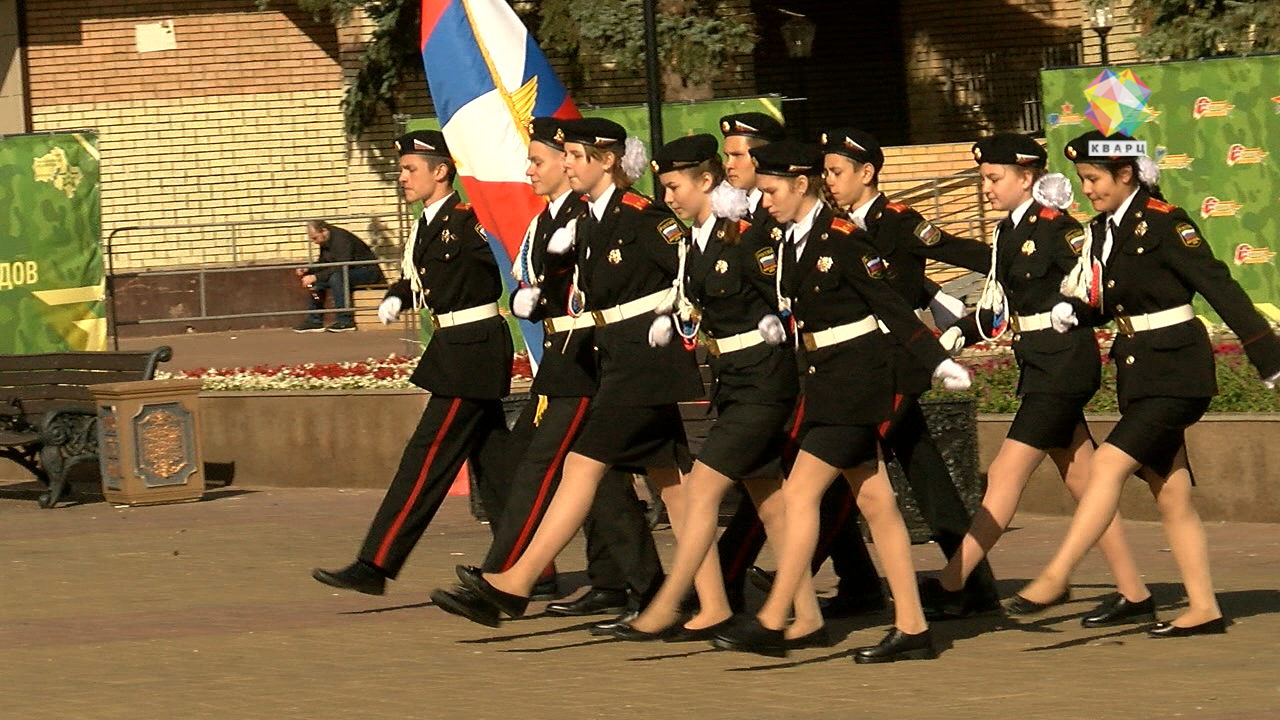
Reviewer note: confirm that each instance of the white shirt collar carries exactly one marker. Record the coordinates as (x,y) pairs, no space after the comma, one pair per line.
(1118,216)
(859,216)
(599,204)
(702,233)
(800,228)
(753,198)
(1020,211)
(554,206)
(429,212)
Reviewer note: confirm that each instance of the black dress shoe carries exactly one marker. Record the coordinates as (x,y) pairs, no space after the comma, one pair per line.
(760,578)
(545,590)
(608,627)
(680,633)
(1217,626)
(593,602)
(1019,605)
(626,632)
(463,602)
(896,646)
(358,576)
(819,638)
(940,603)
(744,633)
(513,606)
(850,604)
(1117,609)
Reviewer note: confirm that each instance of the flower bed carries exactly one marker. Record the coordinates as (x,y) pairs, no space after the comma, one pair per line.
(391,372)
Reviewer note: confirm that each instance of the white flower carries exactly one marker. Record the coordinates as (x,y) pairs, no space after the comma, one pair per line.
(1148,171)
(635,161)
(1053,190)
(729,202)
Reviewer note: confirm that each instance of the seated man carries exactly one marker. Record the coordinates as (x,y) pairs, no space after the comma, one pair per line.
(336,245)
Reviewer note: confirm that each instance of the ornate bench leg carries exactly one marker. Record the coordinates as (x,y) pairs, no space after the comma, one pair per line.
(56,476)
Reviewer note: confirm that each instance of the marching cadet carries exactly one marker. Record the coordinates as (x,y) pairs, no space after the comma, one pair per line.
(620,550)
(904,241)
(628,254)
(1147,260)
(742,133)
(833,282)
(728,293)
(1033,249)
(449,269)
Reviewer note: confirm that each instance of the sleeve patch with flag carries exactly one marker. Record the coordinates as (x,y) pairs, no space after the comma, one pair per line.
(1159,206)
(639,202)
(767,260)
(1075,239)
(928,233)
(843,226)
(874,266)
(1189,236)
(670,231)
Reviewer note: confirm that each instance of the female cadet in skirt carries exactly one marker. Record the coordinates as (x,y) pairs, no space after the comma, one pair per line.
(1145,261)
(1033,249)
(727,292)
(628,251)
(833,282)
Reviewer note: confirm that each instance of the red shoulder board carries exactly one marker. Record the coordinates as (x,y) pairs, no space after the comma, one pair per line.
(635,200)
(896,207)
(743,226)
(845,227)
(1164,207)
(1049,213)
(463,206)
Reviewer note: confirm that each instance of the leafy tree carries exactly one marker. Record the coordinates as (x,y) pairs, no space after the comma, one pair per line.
(1188,29)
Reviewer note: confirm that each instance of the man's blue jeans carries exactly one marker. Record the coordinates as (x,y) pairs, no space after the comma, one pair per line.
(336,283)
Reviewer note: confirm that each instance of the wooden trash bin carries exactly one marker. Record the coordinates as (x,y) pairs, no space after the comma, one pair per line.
(149,441)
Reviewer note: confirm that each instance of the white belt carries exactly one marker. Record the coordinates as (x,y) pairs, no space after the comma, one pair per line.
(628,310)
(462,317)
(840,333)
(564,323)
(734,343)
(1031,323)
(1130,324)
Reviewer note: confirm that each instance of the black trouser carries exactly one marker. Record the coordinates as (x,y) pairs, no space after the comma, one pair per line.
(906,438)
(451,431)
(620,549)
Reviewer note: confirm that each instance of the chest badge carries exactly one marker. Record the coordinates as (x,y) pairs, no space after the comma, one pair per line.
(722,266)
(1141,229)
(1029,247)
(615,256)
(825,264)
(775,234)
(446,235)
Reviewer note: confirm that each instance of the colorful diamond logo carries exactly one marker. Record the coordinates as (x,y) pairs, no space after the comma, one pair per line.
(1117,103)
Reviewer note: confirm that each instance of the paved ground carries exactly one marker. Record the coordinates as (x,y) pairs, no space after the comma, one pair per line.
(206,610)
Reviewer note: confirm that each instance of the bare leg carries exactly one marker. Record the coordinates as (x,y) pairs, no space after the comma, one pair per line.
(770,507)
(1111,466)
(802,493)
(1187,541)
(565,515)
(879,506)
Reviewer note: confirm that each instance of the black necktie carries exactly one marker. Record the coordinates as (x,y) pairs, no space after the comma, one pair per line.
(1006,224)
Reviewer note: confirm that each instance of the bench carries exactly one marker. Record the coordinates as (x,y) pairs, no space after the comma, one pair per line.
(48,419)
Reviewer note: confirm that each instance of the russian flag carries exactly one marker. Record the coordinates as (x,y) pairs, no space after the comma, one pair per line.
(488,78)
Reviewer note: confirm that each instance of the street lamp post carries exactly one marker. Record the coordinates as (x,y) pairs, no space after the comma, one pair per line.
(1101,23)
(797,36)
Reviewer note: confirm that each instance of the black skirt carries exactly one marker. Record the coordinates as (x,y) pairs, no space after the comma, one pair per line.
(1048,420)
(841,446)
(1152,430)
(747,440)
(635,438)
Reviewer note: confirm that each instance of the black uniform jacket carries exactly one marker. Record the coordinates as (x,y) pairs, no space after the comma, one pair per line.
(732,283)
(342,246)
(1032,259)
(905,241)
(840,279)
(568,367)
(458,271)
(631,252)
(1160,261)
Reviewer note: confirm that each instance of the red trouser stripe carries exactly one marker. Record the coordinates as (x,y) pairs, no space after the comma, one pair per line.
(736,567)
(417,488)
(884,426)
(530,523)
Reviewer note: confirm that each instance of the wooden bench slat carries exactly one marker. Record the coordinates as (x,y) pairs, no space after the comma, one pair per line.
(75,376)
(131,361)
(9,438)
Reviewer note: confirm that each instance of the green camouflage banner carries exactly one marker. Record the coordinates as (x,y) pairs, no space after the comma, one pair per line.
(51,278)
(1212,127)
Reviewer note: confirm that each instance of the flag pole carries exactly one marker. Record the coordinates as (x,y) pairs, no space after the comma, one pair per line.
(654,85)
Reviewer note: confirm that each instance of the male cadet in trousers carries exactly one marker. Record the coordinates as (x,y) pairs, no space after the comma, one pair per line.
(743,537)
(449,269)
(623,556)
(905,241)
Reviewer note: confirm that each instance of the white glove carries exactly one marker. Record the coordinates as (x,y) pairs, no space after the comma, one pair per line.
(660,331)
(953,376)
(561,240)
(389,310)
(946,310)
(525,300)
(1271,381)
(1063,317)
(770,327)
(952,341)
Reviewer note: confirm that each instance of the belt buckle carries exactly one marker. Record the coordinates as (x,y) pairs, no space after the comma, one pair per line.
(713,347)
(435,321)
(810,342)
(549,326)
(1014,324)
(598,317)
(1125,325)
